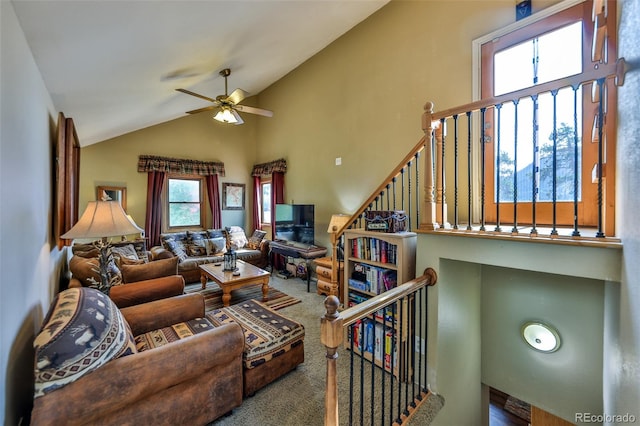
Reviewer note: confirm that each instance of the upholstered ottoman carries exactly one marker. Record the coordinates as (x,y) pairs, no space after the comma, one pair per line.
(274,344)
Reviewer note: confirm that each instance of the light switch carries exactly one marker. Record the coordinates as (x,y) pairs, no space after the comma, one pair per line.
(338,161)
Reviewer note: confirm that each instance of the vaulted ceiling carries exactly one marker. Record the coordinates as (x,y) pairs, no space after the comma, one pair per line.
(114,65)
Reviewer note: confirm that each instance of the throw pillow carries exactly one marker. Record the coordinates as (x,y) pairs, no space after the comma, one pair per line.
(236,237)
(256,239)
(87,271)
(140,246)
(124,252)
(151,270)
(177,248)
(82,331)
(216,246)
(197,249)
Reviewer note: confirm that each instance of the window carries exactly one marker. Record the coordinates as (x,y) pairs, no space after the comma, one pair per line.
(521,136)
(185,202)
(265,202)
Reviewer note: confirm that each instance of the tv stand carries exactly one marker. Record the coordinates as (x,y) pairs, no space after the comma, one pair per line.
(308,252)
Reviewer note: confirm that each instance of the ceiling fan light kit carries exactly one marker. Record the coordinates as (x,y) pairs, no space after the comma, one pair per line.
(228,104)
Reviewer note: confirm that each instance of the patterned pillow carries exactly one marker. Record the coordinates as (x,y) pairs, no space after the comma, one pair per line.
(140,247)
(216,246)
(177,248)
(82,331)
(197,249)
(236,237)
(124,252)
(256,239)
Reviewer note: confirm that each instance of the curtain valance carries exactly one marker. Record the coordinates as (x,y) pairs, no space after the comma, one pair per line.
(150,163)
(268,168)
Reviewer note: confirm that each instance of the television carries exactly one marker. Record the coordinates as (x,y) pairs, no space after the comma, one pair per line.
(295,223)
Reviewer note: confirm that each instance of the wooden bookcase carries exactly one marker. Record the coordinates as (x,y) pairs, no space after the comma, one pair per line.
(374,263)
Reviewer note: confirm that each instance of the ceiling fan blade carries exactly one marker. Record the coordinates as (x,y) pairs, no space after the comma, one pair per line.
(254,110)
(237,116)
(188,92)
(237,96)
(209,108)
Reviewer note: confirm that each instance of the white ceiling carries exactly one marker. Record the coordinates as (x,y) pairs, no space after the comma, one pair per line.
(113,65)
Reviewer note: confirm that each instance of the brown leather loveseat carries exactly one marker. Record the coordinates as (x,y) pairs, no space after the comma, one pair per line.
(88,370)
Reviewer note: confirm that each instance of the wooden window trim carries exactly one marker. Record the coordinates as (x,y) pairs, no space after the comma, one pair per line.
(165,203)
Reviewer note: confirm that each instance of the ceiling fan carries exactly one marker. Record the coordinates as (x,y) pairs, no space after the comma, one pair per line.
(227,105)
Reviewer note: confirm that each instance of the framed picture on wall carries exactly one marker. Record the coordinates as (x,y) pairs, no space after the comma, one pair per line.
(233,196)
(112,193)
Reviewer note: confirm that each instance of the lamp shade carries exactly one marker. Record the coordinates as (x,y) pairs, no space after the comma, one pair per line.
(228,115)
(102,219)
(337,221)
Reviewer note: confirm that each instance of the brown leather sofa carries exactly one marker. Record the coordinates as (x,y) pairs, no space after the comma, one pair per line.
(141,283)
(190,381)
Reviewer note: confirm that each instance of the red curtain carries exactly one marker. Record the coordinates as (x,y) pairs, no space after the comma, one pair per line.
(213,192)
(277,197)
(256,203)
(153,218)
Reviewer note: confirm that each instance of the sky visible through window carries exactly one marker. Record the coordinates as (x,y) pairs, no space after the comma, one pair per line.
(549,57)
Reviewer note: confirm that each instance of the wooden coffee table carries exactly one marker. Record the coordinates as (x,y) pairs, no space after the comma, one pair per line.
(249,275)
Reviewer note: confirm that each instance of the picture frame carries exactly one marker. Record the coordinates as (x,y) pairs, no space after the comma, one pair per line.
(233,196)
(112,193)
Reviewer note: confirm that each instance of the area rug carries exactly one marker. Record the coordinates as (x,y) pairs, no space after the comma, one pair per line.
(213,296)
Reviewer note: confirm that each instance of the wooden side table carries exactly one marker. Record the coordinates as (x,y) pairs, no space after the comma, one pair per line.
(327,285)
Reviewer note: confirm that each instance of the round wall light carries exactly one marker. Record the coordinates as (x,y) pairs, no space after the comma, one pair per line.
(540,336)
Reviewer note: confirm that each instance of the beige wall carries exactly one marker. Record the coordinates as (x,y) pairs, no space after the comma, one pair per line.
(196,137)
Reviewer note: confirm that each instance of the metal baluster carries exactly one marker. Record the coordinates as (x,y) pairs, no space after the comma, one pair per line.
(373,370)
(514,230)
(442,184)
(352,333)
(409,196)
(554,163)
(576,232)
(600,83)
(417,157)
(394,192)
(391,353)
(387,193)
(497,172)
(455,171)
(362,373)
(536,166)
(469,168)
(402,186)
(482,167)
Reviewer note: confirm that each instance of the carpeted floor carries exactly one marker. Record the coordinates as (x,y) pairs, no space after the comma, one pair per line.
(276,299)
(298,397)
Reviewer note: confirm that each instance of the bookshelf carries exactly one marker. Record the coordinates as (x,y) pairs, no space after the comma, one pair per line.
(374,263)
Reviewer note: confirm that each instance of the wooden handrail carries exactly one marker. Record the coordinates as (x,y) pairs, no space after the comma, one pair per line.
(333,323)
(361,310)
(612,70)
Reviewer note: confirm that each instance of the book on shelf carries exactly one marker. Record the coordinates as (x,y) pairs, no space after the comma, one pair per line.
(373,279)
(373,249)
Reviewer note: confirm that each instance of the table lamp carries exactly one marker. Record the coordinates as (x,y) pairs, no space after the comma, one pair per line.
(102,219)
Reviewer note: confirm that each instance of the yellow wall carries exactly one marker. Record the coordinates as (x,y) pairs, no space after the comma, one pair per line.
(360,99)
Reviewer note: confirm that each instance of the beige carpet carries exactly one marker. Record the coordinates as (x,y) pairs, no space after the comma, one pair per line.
(298,397)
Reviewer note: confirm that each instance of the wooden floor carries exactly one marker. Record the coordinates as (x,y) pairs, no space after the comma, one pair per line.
(498,416)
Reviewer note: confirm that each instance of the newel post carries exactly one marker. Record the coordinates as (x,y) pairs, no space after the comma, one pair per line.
(331,337)
(429,219)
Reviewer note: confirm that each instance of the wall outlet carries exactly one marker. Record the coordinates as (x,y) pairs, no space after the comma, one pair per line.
(338,161)
(420,345)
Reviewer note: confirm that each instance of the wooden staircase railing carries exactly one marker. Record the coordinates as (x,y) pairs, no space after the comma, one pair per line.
(401,397)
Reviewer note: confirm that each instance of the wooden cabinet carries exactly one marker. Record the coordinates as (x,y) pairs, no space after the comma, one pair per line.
(327,283)
(374,263)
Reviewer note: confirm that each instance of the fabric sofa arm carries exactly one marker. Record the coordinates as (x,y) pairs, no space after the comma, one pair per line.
(98,396)
(146,291)
(163,313)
